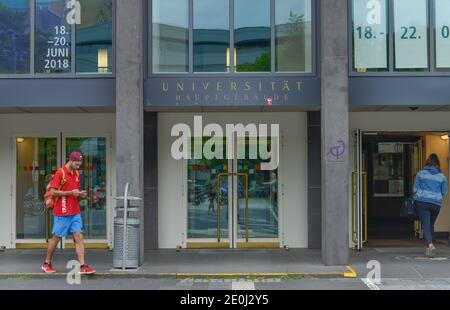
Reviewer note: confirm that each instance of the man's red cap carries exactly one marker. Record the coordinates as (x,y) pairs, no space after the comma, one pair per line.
(76,156)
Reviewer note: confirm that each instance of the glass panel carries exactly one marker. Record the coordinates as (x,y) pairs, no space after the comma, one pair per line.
(94,37)
(442,33)
(36,160)
(14,36)
(52,37)
(262,192)
(388,170)
(170,36)
(203,185)
(211,36)
(293,35)
(411,35)
(93,180)
(252,35)
(370,36)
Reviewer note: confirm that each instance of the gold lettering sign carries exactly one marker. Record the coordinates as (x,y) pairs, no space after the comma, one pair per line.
(204,91)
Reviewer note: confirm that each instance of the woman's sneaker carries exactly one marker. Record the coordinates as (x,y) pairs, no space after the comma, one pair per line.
(84,269)
(431,251)
(48,268)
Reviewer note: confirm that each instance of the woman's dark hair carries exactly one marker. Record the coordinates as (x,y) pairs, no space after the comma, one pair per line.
(433,160)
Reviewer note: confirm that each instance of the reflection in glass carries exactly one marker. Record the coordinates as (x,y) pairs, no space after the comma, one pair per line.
(52,37)
(94,37)
(252,35)
(203,194)
(14,36)
(36,161)
(293,35)
(262,193)
(211,35)
(170,36)
(93,180)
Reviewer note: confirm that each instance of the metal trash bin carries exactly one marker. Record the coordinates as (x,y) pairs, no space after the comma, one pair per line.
(126,252)
(131,244)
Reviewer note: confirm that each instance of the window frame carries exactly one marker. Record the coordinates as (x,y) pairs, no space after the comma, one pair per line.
(315,8)
(73,73)
(391,71)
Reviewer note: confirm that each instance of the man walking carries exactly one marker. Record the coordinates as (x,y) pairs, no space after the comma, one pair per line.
(67,219)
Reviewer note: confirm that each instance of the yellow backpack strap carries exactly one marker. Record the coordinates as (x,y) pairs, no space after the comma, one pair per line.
(63,179)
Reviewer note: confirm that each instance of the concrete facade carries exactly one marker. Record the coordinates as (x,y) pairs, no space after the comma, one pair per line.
(129,101)
(334,121)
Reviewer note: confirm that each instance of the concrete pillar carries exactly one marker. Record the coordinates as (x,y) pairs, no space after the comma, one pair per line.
(335,137)
(129,100)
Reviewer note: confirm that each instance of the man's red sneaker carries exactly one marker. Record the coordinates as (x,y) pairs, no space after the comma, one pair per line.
(48,268)
(84,269)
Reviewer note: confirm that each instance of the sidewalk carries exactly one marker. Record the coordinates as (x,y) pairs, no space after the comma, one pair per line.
(296,263)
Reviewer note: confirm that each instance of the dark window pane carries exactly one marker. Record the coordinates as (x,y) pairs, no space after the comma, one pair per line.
(252,35)
(293,35)
(14,36)
(211,36)
(94,37)
(170,36)
(52,37)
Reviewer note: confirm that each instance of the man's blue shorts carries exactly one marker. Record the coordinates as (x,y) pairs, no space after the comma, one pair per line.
(67,225)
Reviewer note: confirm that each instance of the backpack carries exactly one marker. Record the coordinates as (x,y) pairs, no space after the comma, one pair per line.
(50,200)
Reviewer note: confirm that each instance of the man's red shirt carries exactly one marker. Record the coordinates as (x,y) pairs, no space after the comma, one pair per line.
(66,205)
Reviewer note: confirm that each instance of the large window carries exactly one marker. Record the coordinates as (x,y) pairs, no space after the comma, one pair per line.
(411,34)
(52,37)
(252,35)
(14,36)
(293,35)
(211,36)
(56,36)
(94,37)
(401,35)
(442,34)
(232,36)
(170,36)
(370,35)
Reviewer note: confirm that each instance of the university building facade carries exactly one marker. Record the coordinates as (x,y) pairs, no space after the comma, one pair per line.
(359,90)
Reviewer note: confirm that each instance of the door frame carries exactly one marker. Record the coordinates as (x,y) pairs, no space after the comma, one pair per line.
(232,241)
(26,243)
(95,243)
(60,137)
(358,233)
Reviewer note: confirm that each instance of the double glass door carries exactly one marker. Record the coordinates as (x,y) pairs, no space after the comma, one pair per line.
(37,159)
(233,203)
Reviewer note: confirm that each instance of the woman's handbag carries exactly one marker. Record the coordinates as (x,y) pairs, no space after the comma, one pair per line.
(408,209)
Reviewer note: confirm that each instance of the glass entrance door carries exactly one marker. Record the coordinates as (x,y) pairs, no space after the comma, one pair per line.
(256,196)
(36,160)
(232,203)
(93,174)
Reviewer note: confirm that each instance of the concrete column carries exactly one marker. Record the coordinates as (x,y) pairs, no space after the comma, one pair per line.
(335,138)
(129,100)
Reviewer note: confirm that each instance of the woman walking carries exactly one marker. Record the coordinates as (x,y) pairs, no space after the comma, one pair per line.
(430,187)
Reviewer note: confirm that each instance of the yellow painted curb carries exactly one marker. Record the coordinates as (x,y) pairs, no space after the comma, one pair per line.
(351,274)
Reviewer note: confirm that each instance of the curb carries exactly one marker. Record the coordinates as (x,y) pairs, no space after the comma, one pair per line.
(179,275)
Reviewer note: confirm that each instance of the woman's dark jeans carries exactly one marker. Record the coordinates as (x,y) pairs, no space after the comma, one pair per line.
(427,213)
